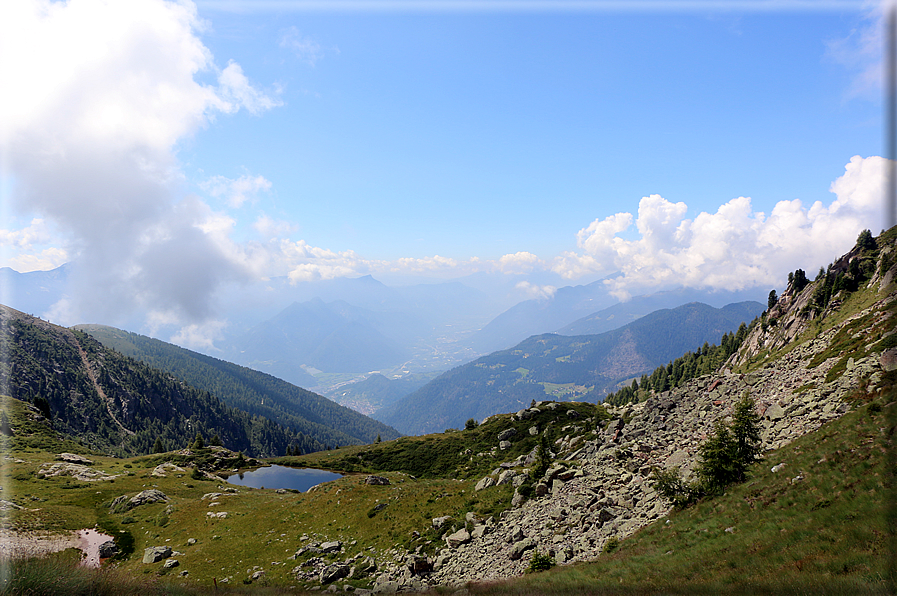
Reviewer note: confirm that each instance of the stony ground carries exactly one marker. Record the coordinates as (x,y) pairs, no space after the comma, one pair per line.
(603,493)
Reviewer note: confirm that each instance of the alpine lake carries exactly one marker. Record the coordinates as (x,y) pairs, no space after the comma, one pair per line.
(274,476)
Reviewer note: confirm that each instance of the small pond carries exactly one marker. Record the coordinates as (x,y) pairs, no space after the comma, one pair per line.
(300,479)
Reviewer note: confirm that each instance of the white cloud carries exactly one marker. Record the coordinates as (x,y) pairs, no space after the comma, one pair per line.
(237,191)
(237,92)
(734,248)
(309,263)
(200,337)
(25,238)
(43,260)
(305,48)
(271,228)
(95,104)
(861,53)
(535,290)
(28,248)
(518,262)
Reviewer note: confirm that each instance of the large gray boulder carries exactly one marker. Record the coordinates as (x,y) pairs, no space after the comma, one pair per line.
(376,480)
(518,549)
(331,547)
(460,537)
(108,549)
(73,458)
(334,572)
(507,434)
(774,412)
(154,554)
(486,482)
(148,496)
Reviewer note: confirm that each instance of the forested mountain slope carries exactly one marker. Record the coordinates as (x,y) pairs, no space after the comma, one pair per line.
(117,405)
(249,390)
(583,367)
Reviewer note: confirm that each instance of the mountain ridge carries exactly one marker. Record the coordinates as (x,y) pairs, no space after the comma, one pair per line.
(249,390)
(587,367)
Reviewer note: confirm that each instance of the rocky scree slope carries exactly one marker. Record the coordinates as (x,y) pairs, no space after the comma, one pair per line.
(601,490)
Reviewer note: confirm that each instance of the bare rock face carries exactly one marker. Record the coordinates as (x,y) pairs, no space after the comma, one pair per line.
(76,471)
(162,470)
(376,480)
(331,547)
(334,572)
(507,434)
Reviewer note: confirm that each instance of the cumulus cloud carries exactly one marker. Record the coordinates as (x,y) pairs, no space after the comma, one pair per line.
(519,262)
(735,247)
(97,99)
(310,263)
(29,248)
(23,239)
(238,191)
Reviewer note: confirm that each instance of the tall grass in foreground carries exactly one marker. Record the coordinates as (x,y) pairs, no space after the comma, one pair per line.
(61,575)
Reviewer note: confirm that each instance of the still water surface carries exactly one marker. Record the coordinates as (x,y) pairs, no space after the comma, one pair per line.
(300,479)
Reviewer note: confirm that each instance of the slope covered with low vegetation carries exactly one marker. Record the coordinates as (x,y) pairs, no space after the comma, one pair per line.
(114,404)
(248,390)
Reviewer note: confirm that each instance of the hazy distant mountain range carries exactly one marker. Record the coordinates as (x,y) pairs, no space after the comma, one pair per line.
(581,367)
(323,334)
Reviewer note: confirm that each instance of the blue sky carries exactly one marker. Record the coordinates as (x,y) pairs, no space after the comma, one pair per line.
(171,149)
(487,134)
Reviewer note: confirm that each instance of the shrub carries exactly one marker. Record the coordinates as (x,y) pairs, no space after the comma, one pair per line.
(612,544)
(673,488)
(540,562)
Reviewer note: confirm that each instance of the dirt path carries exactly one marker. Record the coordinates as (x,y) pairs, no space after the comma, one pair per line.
(99,389)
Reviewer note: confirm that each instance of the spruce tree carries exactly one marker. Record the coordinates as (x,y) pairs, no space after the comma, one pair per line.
(746,434)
